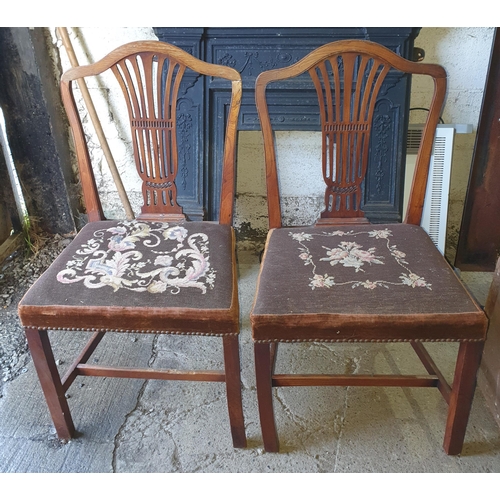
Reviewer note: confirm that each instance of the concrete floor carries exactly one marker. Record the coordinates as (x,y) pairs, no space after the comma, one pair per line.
(155,426)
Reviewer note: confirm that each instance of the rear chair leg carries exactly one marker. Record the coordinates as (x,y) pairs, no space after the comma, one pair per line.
(464,384)
(43,358)
(264,361)
(233,390)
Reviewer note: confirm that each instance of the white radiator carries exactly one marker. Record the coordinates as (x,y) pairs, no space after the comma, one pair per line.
(435,213)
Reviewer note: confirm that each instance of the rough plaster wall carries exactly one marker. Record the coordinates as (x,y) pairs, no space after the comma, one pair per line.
(90,45)
(299,187)
(465,54)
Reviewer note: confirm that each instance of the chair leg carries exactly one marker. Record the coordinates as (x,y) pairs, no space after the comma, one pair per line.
(43,359)
(233,390)
(464,384)
(264,361)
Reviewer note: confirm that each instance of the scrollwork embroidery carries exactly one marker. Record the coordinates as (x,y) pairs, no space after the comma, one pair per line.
(122,264)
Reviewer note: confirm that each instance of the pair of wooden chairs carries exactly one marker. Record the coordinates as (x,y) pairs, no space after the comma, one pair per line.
(339,280)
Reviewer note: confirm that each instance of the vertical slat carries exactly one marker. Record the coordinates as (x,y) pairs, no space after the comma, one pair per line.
(146,92)
(139,84)
(325,134)
(161,116)
(359,88)
(175,92)
(129,89)
(368,91)
(348,83)
(376,89)
(338,118)
(167,113)
(328,93)
(349,64)
(360,92)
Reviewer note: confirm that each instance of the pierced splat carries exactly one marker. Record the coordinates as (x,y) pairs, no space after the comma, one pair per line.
(347,88)
(150,84)
(348,77)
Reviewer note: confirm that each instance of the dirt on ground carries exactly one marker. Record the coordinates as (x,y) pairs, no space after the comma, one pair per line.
(17,273)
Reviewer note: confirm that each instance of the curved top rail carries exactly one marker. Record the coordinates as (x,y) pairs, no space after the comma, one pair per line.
(382,55)
(346,46)
(151,46)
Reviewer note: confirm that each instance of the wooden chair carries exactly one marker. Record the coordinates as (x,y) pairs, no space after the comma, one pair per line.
(344,280)
(157,273)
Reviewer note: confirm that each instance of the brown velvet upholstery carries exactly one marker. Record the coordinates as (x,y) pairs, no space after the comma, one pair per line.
(107,280)
(381,282)
(344,279)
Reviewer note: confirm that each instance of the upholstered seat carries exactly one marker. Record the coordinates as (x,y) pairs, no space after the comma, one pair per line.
(385,282)
(140,275)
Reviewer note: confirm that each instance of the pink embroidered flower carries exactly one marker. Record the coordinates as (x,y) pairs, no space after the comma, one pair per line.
(398,254)
(369,284)
(366,255)
(380,233)
(414,281)
(321,281)
(336,255)
(301,236)
(350,254)
(349,244)
(304,256)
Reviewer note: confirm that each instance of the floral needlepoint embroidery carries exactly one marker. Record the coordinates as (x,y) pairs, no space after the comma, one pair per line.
(351,254)
(182,263)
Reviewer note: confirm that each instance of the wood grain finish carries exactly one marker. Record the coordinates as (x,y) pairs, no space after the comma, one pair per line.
(43,359)
(300,300)
(150,75)
(357,69)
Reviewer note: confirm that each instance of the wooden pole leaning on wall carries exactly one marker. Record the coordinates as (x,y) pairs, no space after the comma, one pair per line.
(63,33)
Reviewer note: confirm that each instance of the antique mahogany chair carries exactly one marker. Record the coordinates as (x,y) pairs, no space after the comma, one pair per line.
(157,273)
(344,279)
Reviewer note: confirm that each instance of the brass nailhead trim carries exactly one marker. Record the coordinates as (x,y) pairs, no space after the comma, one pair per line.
(200,334)
(294,341)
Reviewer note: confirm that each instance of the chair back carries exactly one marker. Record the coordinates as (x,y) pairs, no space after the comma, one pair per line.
(150,75)
(348,76)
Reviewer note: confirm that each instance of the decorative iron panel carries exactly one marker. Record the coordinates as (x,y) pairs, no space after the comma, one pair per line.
(293,106)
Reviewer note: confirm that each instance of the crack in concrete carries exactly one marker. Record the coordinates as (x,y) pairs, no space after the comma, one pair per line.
(341,429)
(118,437)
